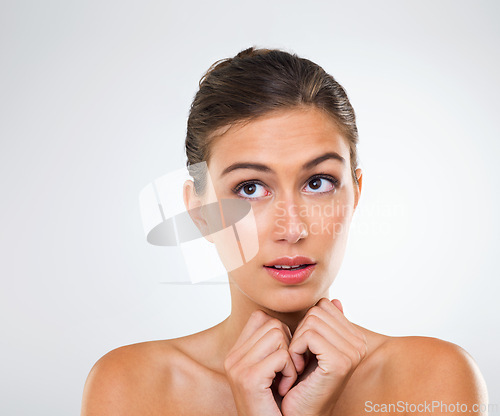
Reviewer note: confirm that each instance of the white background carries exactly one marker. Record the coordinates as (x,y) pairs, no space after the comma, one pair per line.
(94,100)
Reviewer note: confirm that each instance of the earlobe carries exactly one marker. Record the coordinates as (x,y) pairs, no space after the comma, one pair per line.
(358,186)
(194,206)
(359,175)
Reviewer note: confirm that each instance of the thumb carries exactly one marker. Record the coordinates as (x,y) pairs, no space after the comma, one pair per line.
(337,303)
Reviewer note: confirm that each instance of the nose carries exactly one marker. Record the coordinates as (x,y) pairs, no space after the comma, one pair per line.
(290,224)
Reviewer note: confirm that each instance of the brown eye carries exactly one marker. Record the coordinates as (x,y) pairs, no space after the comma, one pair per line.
(315,184)
(250,190)
(322,184)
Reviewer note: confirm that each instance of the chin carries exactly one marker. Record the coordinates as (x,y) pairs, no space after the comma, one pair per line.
(291,299)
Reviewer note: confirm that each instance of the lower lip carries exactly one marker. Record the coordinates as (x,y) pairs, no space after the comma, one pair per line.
(291,277)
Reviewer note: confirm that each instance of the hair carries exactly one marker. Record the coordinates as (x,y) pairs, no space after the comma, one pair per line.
(252,84)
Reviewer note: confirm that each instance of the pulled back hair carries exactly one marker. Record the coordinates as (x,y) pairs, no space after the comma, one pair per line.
(254,83)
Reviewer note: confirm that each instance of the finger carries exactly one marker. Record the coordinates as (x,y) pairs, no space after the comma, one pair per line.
(278,362)
(273,340)
(338,304)
(247,340)
(330,359)
(352,346)
(289,376)
(271,323)
(333,321)
(346,343)
(328,306)
(255,321)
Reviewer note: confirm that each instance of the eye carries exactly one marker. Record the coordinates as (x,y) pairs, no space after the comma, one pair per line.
(319,184)
(322,183)
(251,190)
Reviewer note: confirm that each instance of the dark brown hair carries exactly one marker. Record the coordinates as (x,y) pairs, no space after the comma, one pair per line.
(254,83)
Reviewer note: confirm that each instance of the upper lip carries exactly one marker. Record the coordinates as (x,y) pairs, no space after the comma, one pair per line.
(290,261)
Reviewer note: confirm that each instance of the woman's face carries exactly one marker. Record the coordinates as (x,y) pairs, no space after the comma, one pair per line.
(302,198)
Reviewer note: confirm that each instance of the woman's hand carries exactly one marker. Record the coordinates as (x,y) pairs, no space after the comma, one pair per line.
(251,365)
(337,348)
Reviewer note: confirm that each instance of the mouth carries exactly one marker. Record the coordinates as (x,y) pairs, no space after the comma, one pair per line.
(291,270)
(289,267)
(291,276)
(290,262)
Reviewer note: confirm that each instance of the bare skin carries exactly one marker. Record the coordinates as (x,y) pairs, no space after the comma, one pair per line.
(186,376)
(284,349)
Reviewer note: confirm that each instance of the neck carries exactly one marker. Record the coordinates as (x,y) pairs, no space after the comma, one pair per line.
(241,309)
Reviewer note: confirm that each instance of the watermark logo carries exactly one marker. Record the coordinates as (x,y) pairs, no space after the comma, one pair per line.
(231,222)
(429,407)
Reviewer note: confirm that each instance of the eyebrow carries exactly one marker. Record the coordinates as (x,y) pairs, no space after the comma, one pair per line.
(263,168)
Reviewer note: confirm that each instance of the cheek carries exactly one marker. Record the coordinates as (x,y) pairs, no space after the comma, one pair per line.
(334,240)
(330,222)
(257,226)
(237,243)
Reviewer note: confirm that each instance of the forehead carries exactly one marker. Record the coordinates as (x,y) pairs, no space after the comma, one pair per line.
(284,138)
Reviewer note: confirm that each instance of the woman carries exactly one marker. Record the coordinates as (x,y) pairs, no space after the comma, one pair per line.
(278,132)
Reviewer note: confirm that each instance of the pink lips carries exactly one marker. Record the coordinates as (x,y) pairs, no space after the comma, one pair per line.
(291,276)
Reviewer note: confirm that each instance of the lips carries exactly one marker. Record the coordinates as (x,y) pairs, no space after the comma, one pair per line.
(290,261)
(296,269)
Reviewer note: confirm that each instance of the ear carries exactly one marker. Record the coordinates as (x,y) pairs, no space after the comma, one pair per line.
(194,205)
(357,188)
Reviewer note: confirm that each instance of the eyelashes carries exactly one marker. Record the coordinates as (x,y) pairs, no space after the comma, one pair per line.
(250,183)
(254,183)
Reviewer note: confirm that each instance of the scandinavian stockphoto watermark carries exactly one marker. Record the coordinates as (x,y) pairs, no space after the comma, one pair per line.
(429,407)
(333,218)
(230,239)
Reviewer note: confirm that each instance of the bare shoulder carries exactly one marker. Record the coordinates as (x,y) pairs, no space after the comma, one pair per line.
(167,377)
(133,379)
(427,369)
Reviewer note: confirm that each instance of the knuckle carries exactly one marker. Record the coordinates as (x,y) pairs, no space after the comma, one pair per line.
(324,302)
(275,331)
(282,354)
(313,319)
(309,333)
(343,364)
(277,335)
(233,371)
(362,349)
(315,310)
(258,315)
(274,322)
(355,357)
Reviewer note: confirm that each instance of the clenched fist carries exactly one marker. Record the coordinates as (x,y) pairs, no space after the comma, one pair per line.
(314,365)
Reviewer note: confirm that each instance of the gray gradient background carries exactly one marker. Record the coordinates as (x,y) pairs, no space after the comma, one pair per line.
(94,99)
